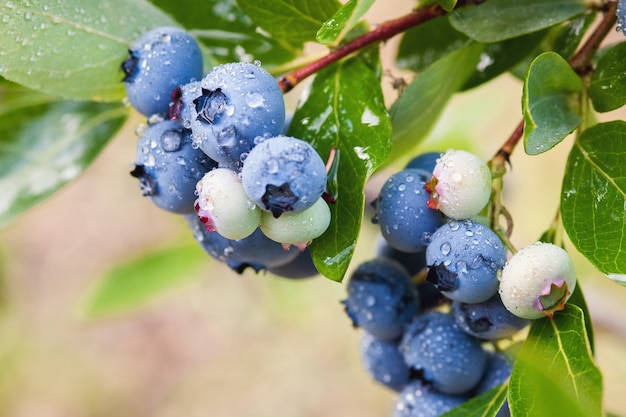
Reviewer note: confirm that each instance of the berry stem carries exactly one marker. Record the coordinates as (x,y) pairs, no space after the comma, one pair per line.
(383,32)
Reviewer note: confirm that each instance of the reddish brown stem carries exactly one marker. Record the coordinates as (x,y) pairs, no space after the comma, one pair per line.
(383,32)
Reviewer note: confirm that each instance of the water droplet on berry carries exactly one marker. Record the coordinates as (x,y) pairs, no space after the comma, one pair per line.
(171,140)
(401,187)
(445,248)
(271,166)
(370,301)
(254,100)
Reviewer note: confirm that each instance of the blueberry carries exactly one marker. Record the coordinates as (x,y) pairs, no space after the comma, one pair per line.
(297,228)
(537,281)
(168,167)
(230,107)
(420,400)
(425,161)
(384,362)
(461,185)
(157,64)
(284,174)
(464,257)
(621,16)
(224,203)
(448,358)
(301,266)
(405,220)
(255,251)
(381,298)
(488,319)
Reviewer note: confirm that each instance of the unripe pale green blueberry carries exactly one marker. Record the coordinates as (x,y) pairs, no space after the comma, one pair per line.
(297,228)
(221,196)
(461,185)
(537,281)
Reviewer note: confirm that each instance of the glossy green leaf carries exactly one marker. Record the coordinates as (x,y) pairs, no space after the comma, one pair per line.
(497,20)
(72,48)
(293,22)
(485,405)
(45,143)
(555,373)
(608,82)
(578,299)
(225,30)
(344,109)
(550,102)
(593,197)
(416,111)
(335,29)
(499,57)
(424,44)
(563,39)
(144,279)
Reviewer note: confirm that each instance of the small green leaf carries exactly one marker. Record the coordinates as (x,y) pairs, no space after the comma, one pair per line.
(142,280)
(593,197)
(292,21)
(497,20)
(608,83)
(485,405)
(225,30)
(344,109)
(335,29)
(550,102)
(72,48)
(45,143)
(416,111)
(554,373)
(424,44)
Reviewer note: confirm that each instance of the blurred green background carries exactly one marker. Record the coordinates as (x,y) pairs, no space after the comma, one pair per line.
(223,344)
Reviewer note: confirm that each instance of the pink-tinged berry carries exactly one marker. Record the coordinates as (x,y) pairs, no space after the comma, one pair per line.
(223,205)
(537,281)
(461,185)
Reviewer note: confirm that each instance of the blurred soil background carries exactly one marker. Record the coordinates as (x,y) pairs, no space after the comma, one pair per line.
(224,345)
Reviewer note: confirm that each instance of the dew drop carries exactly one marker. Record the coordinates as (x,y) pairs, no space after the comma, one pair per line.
(445,248)
(171,140)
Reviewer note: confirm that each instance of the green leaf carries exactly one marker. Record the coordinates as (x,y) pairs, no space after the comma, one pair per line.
(225,30)
(134,284)
(45,143)
(485,405)
(292,21)
(424,44)
(497,20)
(335,29)
(447,5)
(499,57)
(550,102)
(578,299)
(416,111)
(554,373)
(608,83)
(593,197)
(344,109)
(72,48)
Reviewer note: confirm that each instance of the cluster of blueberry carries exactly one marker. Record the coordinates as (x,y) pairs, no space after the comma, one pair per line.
(214,151)
(441,292)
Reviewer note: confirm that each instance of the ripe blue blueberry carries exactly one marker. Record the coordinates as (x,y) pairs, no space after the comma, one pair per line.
(464,257)
(384,362)
(284,174)
(405,220)
(301,266)
(381,299)
(488,319)
(448,358)
(425,161)
(255,251)
(537,281)
(621,16)
(158,63)
(168,167)
(230,107)
(420,400)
